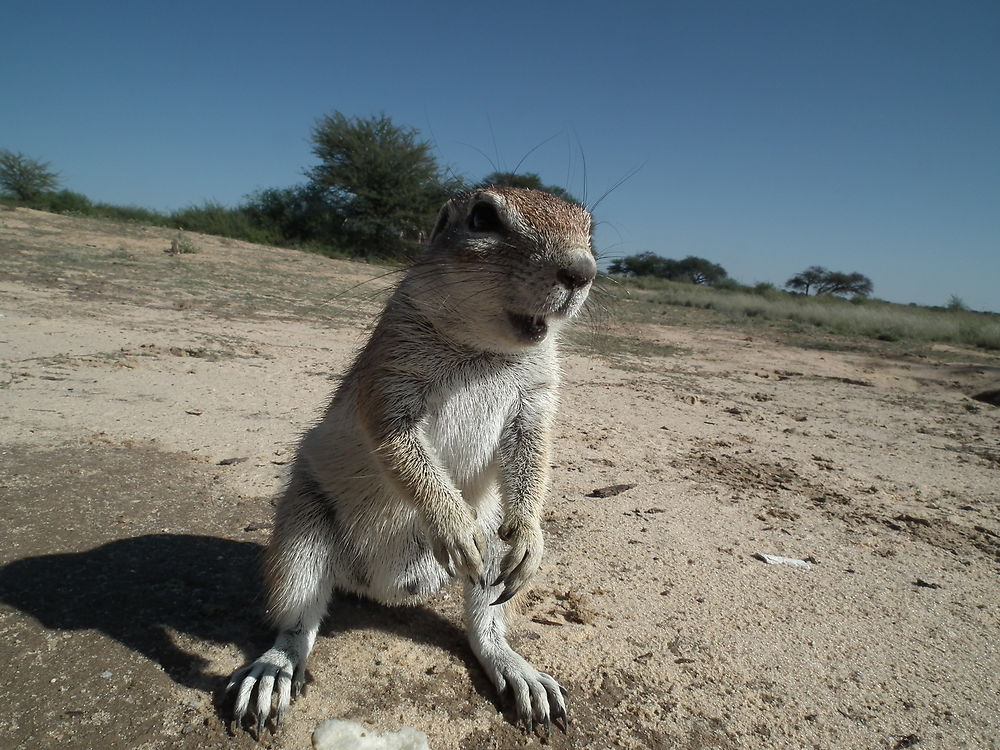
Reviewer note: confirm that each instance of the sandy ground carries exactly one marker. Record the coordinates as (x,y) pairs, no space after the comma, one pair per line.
(129,537)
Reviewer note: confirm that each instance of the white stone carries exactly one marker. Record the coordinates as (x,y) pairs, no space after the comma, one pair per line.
(777,560)
(334,734)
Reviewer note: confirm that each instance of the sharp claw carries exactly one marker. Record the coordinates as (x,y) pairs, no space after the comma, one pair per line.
(560,713)
(504,597)
(548,727)
(517,568)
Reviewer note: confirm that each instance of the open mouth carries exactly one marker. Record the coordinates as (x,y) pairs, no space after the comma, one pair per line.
(531,327)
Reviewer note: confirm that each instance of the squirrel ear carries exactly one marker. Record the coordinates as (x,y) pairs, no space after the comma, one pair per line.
(444,215)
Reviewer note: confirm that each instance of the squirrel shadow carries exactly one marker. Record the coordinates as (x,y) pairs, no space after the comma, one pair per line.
(138,590)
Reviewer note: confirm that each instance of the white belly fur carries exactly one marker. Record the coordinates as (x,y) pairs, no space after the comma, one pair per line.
(464,427)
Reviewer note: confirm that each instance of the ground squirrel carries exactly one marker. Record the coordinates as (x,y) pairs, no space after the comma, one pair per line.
(431,462)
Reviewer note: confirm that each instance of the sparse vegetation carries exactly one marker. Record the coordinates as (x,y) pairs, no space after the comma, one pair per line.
(185,246)
(121,253)
(873,319)
(376,190)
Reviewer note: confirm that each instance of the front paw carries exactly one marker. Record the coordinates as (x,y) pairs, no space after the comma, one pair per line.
(521,563)
(279,674)
(458,543)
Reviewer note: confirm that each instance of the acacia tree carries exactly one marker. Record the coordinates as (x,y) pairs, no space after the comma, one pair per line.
(24,177)
(845,283)
(822,281)
(806,280)
(691,269)
(381,180)
(702,271)
(526,180)
(643,264)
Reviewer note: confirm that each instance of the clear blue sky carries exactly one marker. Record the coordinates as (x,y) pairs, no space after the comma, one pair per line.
(862,136)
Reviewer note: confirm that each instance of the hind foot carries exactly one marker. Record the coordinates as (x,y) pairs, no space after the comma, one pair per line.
(537,696)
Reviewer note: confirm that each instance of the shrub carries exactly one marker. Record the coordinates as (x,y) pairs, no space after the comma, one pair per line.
(729,285)
(955,304)
(214,218)
(185,246)
(299,215)
(63,202)
(131,214)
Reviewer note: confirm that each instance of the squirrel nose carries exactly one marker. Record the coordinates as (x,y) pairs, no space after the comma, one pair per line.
(579,273)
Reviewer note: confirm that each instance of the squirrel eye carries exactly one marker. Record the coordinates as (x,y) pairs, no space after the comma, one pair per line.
(484,218)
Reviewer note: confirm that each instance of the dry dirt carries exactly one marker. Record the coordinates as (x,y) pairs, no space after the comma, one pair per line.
(129,538)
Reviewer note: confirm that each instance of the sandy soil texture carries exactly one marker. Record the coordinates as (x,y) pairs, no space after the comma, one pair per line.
(149,404)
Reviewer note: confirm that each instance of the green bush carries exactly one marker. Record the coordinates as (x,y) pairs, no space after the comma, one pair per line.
(729,285)
(185,246)
(130,214)
(214,218)
(62,202)
(301,216)
(955,304)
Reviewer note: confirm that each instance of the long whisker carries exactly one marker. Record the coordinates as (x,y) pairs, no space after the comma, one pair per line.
(583,160)
(493,137)
(415,270)
(533,150)
(628,176)
(569,160)
(481,153)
